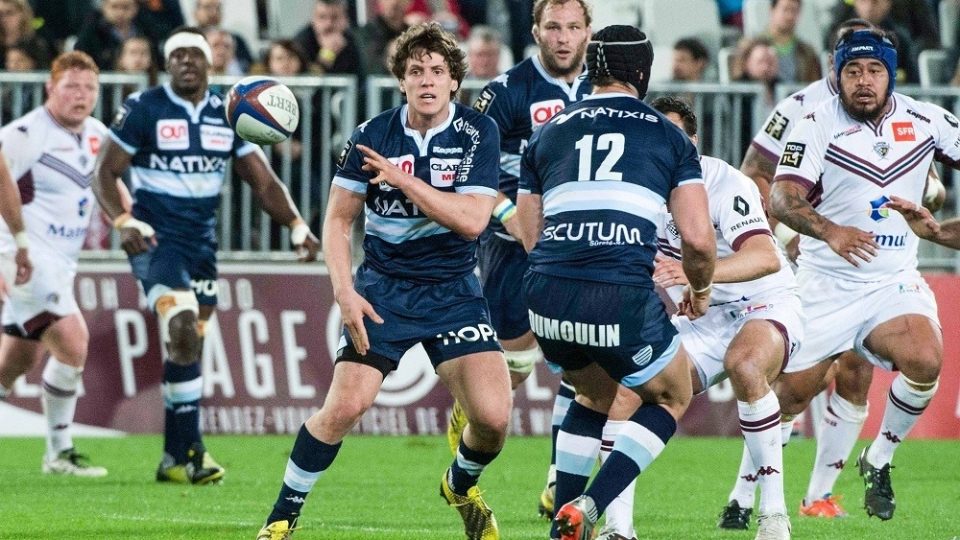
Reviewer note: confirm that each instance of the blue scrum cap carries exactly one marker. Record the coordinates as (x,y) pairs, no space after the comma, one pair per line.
(866,44)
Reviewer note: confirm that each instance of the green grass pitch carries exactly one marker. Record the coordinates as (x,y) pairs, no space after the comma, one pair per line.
(388,488)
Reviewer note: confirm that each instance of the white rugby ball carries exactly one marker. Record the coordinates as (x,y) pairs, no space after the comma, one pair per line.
(262,110)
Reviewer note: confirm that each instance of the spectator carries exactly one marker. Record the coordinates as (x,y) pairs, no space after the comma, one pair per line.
(483,53)
(756,61)
(60,19)
(224,53)
(731,12)
(158,18)
(327,40)
(881,14)
(690,60)
(106,29)
(23,57)
(386,26)
(445,12)
(209,14)
(136,57)
(798,61)
(16,29)
(915,17)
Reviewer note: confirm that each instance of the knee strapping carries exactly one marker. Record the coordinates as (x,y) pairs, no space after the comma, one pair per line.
(922,388)
(171,304)
(846,411)
(523,361)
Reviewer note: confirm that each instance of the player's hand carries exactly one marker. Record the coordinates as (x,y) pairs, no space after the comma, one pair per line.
(353,308)
(694,305)
(135,236)
(385,171)
(851,243)
(920,220)
(307,249)
(514,228)
(668,272)
(793,249)
(24,267)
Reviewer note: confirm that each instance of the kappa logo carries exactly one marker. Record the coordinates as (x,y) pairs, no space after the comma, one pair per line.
(793,154)
(296,499)
(952,120)
(903,131)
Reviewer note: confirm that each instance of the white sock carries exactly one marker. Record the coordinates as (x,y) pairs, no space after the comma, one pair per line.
(745,488)
(839,429)
(59,398)
(620,511)
(905,404)
(786,430)
(760,424)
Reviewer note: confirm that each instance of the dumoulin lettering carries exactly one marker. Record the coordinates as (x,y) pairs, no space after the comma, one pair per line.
(595,335)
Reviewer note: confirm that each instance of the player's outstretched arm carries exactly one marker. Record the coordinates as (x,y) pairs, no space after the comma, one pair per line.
(789,204)
(273,197)
(342,210)
(924,225)
(698,245)
(135,235)
(11,208)
(530,216)
(757,257)
(466,214)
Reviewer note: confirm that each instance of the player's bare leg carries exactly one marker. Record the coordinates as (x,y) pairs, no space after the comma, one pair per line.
(837,434)
(914,343)
(480,383)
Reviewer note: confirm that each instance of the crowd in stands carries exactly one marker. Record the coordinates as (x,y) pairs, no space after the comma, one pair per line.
(355,37)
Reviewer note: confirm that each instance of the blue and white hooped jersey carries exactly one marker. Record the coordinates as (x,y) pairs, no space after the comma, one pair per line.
(458,156)
(180,155)
(520,101)
(604,167)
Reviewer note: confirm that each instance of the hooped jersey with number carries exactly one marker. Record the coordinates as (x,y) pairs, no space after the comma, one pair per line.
(604,168)
(851,170)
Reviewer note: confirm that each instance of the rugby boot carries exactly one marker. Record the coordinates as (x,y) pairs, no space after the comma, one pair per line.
(72,463)
(478,520)
(733,517)
(878,495)
(576,519)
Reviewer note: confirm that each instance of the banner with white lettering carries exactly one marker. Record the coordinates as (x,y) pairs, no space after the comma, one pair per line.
(268,360)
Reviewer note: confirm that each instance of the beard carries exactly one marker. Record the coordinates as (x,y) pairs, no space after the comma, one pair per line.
(575,67)
(862,113)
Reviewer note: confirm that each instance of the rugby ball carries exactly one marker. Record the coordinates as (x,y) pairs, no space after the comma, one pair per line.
(262,110)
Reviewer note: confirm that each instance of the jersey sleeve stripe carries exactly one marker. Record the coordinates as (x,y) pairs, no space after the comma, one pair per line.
(246,149)
(350,185)
(738,241)
(765,152)
(478,190)
(690,181)
(806,183)
(128,148)
(510,163)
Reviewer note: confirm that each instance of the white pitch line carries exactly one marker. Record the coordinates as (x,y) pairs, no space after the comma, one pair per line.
(235,522)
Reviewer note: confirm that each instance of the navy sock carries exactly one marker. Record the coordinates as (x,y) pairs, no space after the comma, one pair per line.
(309,459)
(182,387)
(639,442)
(467,466)
(578,446)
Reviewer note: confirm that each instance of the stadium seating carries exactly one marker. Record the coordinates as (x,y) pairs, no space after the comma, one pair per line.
(665,22)
(933,67)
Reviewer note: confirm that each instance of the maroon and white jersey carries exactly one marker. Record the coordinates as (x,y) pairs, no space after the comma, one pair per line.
(852,169)
(787,114)
(53,169)
(737,214)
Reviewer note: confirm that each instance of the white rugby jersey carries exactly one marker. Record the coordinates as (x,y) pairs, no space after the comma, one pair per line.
(787,114)
(53,168)
(737,214)
(852,168)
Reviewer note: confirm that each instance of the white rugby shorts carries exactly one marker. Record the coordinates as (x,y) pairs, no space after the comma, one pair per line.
(706,339)
(841,314)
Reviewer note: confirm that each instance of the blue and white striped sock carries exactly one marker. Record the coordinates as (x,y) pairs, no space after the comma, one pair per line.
(467,466)
(309,459)
(578,446)
(182,388)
